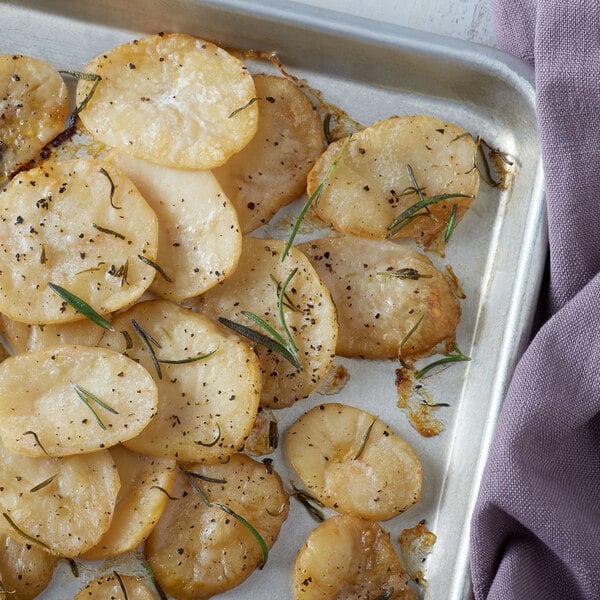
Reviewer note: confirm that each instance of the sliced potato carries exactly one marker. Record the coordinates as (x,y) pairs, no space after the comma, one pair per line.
(146,483)
(171,99)
(370,186)
(81,399)
(63,505)
(33,109)
(199,240)
(79,224)
(198,550)
(353,462)
(271,170)
(206,407)
(346,557)
(113,586)
(308,310)
(26,569)
(383,291)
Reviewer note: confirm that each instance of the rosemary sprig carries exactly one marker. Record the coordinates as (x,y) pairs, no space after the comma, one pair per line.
(161,593)
(147,341)
(81,306)
(312,504)
(214,442)
(451,224)
(156,267)
(405,273)
(43,257)
(315,198)
(185,361)
(121,585)
(241,108)
(112,187)
(87,398)
(364,440)
(22,533)
(455,356)
(87,77)
(37,441)
(288,301)
(405,339)
(116,234)
(44,483)
(162,489)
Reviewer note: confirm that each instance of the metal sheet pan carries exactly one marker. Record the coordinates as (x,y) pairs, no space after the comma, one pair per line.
(372,71)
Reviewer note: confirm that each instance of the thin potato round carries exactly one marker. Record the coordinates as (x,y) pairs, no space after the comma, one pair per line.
(383,291)
(171,99)
(78,224)
(145,484)
(348,558)
(353,462)
(113,586)
(308,311)
(80,399)
(63,505)
(271,170)
(25,568)
(206,407)
(199,240)
(33,109)
(196,550)
(371,186)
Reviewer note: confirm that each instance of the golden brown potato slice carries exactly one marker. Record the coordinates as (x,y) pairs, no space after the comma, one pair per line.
(171,99)
(25,568)
(206,407)
(309,314)
(80,399)
(114,586)
(146,483)
(62,505)
(346,558)
(199,240)
(198,550)
(79,224)
(33,109)
(383,291)
(353,462)
(271,170)
(370,186)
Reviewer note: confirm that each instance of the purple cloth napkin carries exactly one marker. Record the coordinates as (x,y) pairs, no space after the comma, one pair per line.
(536,526)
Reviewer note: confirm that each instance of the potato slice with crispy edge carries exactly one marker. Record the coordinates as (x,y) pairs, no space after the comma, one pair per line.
(383,291)
(25,568)
(199,240)
(146,483)
(33,109)
(196,550)
(353,462)
(271,170)
(371,186)
(348,557)
(63,505)
(80,224)
(112,586)
(80,399)
(206,407)
(171,99)
(308,310)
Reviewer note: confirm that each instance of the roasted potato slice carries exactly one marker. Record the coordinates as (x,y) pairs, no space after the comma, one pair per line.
(33,109)
(197,549)
(79,224)
(308,311)
(206,405)
(172,99)
(390,298)
(370,186)
(145,488)
(346,558)
(199,240)
(353,462)
(26,569)
(63,505)
(271,170)
(113,586)
(80,399)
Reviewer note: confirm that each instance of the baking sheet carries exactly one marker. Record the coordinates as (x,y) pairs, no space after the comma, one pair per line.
(372,71)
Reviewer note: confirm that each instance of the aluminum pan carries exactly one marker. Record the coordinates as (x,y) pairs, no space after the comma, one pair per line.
(373,70)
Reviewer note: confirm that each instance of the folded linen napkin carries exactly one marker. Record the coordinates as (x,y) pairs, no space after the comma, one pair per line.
(535,531)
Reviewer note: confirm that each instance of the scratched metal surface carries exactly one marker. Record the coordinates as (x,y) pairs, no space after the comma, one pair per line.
(372,70)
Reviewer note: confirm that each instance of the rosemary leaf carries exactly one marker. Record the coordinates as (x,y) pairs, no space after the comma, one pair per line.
(206,478)
(214,442)
(364,440)
(241,108)
(81,306)
(162,489)
(87,398)
(121,584)
(291,343)
(87,77)
(451,224)
(455,356)
(28,537)
(312,504)
(405,339)
(185,361)
(156,267)
(405,273)
(37,441)
(161,593)
(108,231)
(192,479)
(112,187)
(147,341)
(44,483)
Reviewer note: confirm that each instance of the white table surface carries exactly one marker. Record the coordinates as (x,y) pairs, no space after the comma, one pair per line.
(464,19)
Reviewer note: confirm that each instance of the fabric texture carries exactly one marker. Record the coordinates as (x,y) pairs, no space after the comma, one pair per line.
(535,531)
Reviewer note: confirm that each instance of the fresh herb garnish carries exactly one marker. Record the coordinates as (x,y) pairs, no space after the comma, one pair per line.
(364,440)
(43,257)
(112,187)
(147,341)
(455,356)
(156,267)
(44,483)
(405,339)
(28,537)
(121,584)
(161,593)
(185,361)
(108,231)
(451,224)
(214,442)
(312,504)
(241,108)
(162,489)
(405,273)
(87,398)
(81,306)
(37,441)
